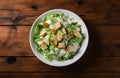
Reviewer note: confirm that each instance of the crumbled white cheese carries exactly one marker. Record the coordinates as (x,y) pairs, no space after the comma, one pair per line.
(62,52)
(60,20)
(51,27)
(48,21)
(67,54)
(75,47)
(39,42)
(51,52)
(56,49)
(69,21)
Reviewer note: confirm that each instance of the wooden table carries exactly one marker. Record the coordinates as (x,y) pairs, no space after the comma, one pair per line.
(101,60)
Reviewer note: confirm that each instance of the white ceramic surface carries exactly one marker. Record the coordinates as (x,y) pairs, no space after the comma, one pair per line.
(81,50)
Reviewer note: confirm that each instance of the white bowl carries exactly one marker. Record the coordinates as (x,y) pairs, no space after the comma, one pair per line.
(81,50)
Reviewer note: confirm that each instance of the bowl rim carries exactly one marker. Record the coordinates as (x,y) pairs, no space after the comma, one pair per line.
(30,35)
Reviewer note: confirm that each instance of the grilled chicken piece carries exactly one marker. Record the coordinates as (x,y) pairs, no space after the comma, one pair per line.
(53,41)
(58,25)
(61,45)
(70,35)
(45,24)
(43,33)
(64,31)
(69,48)
(59,36)
(53,31)
(76,33)
(44,45)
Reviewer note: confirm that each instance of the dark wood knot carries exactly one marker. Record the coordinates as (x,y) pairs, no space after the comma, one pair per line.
(112,53)
(118,45)
(80,2)
(11,60)
(14,27)
(34,7)
(17,19)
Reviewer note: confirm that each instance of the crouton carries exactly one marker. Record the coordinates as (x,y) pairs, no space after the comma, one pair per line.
(64,31)
(76,33)
(53,31)
(45,24)
(61,45)
(47,36)
(69,48)
(43,33)
(58,25)
(70,35)
(53,41)
(59,36)
(44,45)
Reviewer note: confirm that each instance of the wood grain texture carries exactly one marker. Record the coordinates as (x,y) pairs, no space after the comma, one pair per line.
(101,60)
(60,75)
(24,12)
(85,64)
(104,41)
(14,41)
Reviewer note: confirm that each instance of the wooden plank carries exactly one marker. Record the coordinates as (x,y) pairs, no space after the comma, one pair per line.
(20,12)
(104,41)
(85,64)
(60,75)
(14,41)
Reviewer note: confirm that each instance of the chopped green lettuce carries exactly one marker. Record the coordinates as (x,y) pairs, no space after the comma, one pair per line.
(53,52)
